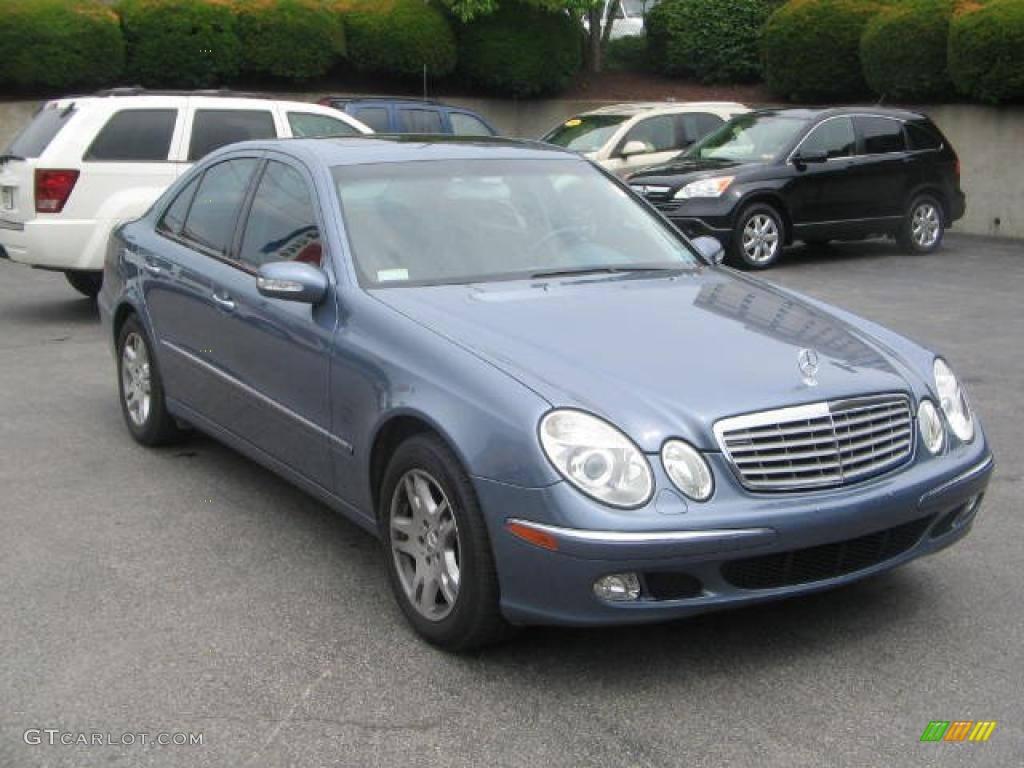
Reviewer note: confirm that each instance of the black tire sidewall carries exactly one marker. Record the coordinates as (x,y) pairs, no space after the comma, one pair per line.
(736,254)
(475,619)
(906,239)
(86,283)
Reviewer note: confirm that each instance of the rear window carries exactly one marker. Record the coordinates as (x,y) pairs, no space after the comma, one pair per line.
(922,137)
(135,135)
(216,128)
(37,135)
(419,121)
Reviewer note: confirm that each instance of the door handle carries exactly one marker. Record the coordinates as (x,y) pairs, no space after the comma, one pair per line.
(153,269)
(225,302)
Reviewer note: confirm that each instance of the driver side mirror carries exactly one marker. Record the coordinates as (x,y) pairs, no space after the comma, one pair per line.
(634,148)
(710,248)
(806,158)
(292,281)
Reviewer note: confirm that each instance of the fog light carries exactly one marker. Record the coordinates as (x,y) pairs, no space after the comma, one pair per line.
(969,510)
(618,587)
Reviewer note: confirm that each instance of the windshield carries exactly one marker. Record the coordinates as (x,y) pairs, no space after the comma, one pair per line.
(460,221)
(748,139)
(585,134)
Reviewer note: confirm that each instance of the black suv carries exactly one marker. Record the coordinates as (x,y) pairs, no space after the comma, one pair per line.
(771,177)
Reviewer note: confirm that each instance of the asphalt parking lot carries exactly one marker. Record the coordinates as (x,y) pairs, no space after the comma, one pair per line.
(188,590)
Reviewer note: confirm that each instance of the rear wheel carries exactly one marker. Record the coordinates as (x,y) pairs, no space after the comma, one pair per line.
(85,282)
(758,237)
(437,549)
(141,388)
(924,226)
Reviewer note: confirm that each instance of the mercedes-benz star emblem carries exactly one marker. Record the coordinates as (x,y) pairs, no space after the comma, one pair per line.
(807,361)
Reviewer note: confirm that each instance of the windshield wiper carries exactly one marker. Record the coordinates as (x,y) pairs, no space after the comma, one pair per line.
(600,271)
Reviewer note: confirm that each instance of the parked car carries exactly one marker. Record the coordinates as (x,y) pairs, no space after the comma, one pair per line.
(626,138)
(776,176)
(390,115)
(550,405)
(627,19)
(84,164)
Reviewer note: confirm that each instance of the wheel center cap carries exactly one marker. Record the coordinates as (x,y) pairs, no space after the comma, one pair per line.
(432,540)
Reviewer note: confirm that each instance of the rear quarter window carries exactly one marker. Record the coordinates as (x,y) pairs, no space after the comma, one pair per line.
(37,135)
(922,137)
(135,135)
(216,128)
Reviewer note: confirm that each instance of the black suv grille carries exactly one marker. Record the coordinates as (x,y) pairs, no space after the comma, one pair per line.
(826,561)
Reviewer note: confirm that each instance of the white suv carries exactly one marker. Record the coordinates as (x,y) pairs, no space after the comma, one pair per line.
(84,165)
(626,138)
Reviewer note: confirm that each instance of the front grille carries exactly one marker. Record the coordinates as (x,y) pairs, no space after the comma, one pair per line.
(826,561)
(819,445)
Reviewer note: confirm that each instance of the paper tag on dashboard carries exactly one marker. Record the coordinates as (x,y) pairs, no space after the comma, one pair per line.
(389,275)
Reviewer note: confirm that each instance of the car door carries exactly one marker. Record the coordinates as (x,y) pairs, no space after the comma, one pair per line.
(660,137)
(823,196)
(882,167)
(277,352)
(182,280)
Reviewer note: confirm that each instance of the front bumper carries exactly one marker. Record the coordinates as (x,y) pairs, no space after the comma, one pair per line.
(693,562)
(701,217)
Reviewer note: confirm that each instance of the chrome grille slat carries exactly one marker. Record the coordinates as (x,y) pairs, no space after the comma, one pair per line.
(820,445)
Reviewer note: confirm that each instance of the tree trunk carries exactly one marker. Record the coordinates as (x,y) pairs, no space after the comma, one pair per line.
(594,39)
(609,22)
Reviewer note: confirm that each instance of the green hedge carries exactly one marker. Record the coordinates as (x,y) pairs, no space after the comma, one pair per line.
(986,51)
(715,41)
(399,37)
(812,48)
(180,43)
(290,39)
(903,50)
(59,44)
(521,50)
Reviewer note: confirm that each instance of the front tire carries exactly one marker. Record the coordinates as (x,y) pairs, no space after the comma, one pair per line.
(437,549)
(141,389)
(924,226)
(757,238)
(85,282)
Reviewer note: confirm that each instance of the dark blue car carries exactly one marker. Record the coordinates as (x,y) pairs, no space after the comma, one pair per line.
(423,116)
(550,405)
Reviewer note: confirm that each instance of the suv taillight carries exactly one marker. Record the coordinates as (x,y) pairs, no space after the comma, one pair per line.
(53,188)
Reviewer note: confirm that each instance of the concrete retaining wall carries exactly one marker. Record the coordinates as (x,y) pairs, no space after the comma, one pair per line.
(990,142)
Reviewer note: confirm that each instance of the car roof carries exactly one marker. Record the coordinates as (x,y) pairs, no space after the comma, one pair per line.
(390,100)
(810,113)
(631,109)
(385,148)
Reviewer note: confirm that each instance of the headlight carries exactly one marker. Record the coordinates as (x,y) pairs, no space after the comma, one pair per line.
(930,425)
(688,470)
(713,187)
(953,400)
(596,458)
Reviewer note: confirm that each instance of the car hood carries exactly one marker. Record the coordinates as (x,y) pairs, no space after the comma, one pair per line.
(685,170)
(658,356)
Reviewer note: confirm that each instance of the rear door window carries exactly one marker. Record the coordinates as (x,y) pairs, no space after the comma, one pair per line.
(135,135)
(465,124)
(37,135)
(881,135)
(419,121)
(282,224)
(374,117)
(216,128)
(214,213)
(311,125)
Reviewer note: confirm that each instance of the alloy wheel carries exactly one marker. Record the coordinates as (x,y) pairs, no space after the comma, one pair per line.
(135,379)
(925,225)
(425,544)
(760,238)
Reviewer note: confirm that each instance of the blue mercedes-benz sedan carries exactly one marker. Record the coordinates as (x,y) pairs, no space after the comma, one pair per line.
(550,406)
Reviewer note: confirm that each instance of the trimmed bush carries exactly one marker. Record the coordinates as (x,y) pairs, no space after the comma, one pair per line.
(180,43)
(521,50)
(986,51)
(399,37)
(903,50)
(291,39)
(714,41)
(812,48)
(54,45)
